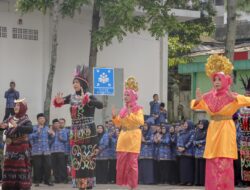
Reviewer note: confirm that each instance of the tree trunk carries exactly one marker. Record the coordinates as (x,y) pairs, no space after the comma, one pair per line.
(104,110)
(231,29)
(50,79)
(93,49)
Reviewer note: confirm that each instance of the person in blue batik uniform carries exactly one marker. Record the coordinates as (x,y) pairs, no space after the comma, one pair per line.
(164,154)
(40,152)
(162,118)
(113,136)
(172,166)
(146,162)
(154,110)
(65,130)
(102,156)
(10,95)
(185,147)
(199,147)
(157,140)
(57,148)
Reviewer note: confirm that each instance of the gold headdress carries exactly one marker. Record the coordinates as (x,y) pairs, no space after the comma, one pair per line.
(131,84)
(218,63)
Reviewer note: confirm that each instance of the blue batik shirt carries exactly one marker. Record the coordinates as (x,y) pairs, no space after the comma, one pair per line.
(10,96)
(154,108)
(199,143)
(164,152)
(103,146)
(58,141)
(147,147)
(67,143)
(185,140)
(40,141)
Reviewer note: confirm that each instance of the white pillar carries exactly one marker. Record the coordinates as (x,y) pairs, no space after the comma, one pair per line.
(163,78)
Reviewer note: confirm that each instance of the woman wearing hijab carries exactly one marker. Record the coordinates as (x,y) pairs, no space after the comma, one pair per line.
(103,156)
(146,162)
(83,137)
(199,147)
(17,167)
(172,167)
(129,120)
(164,155)
(185,148)
(220,103)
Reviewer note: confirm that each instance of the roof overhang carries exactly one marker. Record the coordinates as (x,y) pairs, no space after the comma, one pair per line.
(183,15)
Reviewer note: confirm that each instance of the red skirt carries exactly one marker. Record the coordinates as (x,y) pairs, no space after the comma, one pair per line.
(17,168)
(219,174)
(127,169)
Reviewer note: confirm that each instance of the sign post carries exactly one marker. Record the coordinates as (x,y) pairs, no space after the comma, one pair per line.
(103,81)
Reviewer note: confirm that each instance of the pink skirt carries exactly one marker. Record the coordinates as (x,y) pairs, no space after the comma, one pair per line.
(219,174)
(127,169)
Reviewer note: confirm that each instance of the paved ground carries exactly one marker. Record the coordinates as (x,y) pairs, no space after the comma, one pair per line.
(114,187)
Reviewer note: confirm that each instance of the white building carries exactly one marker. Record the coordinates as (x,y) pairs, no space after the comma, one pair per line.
(25,57)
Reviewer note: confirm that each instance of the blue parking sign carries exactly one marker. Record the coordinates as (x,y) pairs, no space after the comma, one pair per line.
(103,81)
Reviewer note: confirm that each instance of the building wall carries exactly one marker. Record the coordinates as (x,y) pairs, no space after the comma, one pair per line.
(27,61)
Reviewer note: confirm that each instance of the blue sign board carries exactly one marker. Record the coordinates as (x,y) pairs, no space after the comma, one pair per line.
(103,81)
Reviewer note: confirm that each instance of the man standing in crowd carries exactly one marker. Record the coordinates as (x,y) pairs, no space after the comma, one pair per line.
(10,95)
(65,130)
(154,110)
(39,140)
(57,152)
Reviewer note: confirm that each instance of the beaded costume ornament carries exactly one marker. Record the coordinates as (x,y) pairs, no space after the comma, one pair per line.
(132,84)
(218,63)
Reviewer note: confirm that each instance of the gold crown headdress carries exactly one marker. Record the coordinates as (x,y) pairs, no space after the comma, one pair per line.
(131,84)
(218,63)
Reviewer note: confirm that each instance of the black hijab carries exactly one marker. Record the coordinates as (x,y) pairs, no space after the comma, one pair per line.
(201,133)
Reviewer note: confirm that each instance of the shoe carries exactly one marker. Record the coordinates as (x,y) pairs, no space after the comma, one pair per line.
(49,184)
(189,184)
(37,185)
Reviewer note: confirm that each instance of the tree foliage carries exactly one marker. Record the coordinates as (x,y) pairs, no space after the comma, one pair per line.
(243,5)
(187,35)
(122,16)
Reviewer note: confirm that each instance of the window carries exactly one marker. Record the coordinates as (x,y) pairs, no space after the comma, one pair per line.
(3,32)
(185,83)
(25,34)
(219,2)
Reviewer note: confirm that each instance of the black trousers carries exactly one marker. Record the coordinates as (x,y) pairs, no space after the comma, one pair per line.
(102,171)
(173,175)
(163,171)
(41,168)
(200,164)
(59,167)
(112,171)
(237,170)
(8,113)
(186,169)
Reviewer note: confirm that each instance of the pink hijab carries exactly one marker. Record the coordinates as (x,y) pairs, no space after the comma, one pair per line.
(217,99)
(226,82)
(132,104)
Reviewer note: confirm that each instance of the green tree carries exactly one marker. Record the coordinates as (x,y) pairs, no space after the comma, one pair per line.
(187,35)
(243,5)
(55,9)
(231,29)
